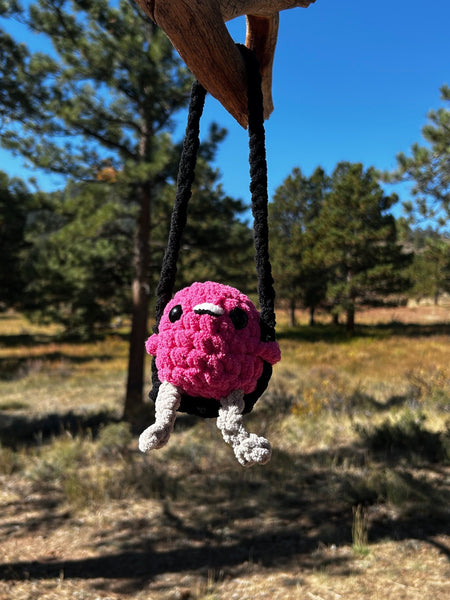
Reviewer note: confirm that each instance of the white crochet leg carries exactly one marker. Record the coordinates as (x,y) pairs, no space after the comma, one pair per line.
(166,404)
(248,447)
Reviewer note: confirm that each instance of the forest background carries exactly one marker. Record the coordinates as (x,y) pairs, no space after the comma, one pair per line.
(100,110)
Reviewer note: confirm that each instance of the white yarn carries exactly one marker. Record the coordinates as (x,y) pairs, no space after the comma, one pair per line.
(248,447)
(166,405)
(209,308)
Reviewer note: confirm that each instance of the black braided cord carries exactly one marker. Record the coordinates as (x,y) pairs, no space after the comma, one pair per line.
(258,189)
(185,179)
(208,407)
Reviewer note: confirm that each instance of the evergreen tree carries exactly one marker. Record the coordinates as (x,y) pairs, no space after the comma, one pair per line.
(219,247)
(300,280)
(78,264)
(428,167)
(100,110)
(415,237)
(430,270)
(357,241)
(15,202)
(79,261)
(108,92)
(16,99)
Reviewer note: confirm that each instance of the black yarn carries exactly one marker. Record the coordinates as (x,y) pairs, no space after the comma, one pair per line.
(208,407)
(258,189)
(185,179)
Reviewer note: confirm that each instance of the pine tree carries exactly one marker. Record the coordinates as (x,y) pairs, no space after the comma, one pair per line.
(15,202)
(357,241)
(428,167)
(430,270)
(99,110)
(78,264)
(219,247)
(108,92)
(296,203)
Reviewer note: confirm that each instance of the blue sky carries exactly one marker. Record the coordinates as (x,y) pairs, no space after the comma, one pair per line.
(353,80)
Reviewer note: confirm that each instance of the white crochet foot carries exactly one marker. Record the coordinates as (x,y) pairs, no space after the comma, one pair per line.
(248,447)
(166,405)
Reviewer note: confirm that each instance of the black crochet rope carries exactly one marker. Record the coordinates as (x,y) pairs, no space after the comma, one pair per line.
(207,407)
(258,189)
(185,179)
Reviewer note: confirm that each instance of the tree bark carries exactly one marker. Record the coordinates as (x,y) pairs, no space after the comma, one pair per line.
(292,319)
(350,324)
(134,406)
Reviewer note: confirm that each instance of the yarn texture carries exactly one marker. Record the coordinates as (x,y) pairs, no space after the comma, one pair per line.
(249,448)
(158,434)
(209,342)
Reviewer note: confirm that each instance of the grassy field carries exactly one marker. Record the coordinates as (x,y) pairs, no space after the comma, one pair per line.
(354,503)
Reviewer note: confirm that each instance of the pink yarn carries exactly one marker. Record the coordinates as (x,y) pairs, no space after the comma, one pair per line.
(202,352)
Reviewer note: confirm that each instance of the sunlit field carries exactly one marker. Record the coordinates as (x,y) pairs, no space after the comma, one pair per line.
(354,503)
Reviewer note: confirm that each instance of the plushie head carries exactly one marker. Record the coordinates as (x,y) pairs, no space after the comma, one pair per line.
(209,342)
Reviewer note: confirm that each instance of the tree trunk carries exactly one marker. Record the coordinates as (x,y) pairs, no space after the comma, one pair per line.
(312,310)
(350,324)
(292,319)
(134,405)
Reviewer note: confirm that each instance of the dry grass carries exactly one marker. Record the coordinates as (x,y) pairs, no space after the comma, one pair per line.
(354,503)
(40,373)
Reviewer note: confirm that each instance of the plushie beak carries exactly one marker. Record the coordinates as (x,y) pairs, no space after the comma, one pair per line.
(197,30)
(207,308)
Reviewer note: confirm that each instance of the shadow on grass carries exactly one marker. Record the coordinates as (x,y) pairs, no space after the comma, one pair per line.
(226,519)
(407,439)
(25,339)
(15,340)
(17,367)
(19,430)
(230,521)
(266,550)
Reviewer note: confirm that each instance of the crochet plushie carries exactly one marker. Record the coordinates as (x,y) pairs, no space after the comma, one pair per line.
(213,351)
(209,345)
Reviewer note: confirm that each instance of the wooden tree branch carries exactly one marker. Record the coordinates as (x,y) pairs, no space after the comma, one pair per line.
(197,30)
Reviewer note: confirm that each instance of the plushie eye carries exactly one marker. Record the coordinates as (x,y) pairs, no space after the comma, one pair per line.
(175,313)
(239,318)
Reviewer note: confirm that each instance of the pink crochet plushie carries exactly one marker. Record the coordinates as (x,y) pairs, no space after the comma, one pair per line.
(209,342)
(209,345)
